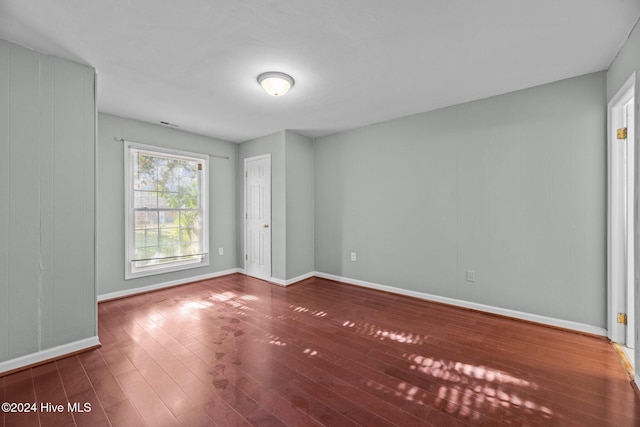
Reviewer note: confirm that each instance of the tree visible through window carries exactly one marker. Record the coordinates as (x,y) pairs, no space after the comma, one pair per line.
(166,210)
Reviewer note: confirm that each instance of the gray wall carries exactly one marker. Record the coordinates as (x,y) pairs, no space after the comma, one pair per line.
(292,215)
(275,145)
(299,195)
(110,200)
(47,141)
(627,61)
(512,187)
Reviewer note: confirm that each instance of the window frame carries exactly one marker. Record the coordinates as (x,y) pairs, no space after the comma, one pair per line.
(132,272)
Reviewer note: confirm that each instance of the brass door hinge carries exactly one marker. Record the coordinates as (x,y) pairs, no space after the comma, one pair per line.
(622,318)
(246,257)
(621,133)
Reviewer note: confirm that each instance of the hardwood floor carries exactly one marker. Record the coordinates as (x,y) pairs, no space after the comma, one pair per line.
(236,351)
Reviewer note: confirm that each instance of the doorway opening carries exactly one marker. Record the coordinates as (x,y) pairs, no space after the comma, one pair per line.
(623,219)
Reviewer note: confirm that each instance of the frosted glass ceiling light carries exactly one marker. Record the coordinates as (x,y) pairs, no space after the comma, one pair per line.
(275,83)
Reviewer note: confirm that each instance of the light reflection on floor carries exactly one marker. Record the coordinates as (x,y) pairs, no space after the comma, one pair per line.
(310,352)
(474,386)
(316,313)
(463,389)
(383,334)
(276,340)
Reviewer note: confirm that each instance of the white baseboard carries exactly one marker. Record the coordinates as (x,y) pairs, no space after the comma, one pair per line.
(278,281)
(48,354)
(566,324)
(301,278)
(134,291)
(292,281)
(560,323)
(283,282)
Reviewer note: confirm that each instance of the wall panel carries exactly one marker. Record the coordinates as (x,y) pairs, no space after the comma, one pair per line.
(47,197)
(24,203)
(47,285)
(511,187)
(5,184)
(299,205)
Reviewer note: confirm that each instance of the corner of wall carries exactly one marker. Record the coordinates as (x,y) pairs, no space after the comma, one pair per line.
(625,63)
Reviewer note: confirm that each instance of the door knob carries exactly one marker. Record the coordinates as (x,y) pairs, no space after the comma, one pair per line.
(266,226)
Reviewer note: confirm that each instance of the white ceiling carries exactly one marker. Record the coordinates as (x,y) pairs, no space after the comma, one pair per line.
(195,62)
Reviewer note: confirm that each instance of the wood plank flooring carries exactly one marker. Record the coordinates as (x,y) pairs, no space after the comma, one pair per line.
(236,351)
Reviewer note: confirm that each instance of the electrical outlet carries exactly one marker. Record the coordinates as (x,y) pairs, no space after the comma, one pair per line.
(471,276)
(353,256)
(220,251)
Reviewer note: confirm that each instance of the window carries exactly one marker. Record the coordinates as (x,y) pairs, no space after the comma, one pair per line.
(166,210)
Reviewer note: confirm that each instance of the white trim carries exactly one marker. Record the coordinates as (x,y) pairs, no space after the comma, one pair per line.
(292,281)
(132,272)
(258,157)
(636,290)
(551,321)
(48,354)
(276,281)
(623,92)
(282,282)
(134,291)
(566,324)
(301,277)
(266,156)
(95,199)
(616,239)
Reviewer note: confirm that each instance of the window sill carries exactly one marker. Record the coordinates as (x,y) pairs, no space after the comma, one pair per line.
(155,270)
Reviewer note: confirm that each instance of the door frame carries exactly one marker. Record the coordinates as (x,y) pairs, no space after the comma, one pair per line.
(244,208)
(616,227)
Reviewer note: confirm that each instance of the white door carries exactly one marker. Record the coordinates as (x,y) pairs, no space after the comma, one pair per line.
(257,231)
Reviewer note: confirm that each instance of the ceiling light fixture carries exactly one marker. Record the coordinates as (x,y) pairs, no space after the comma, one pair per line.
(275,83)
